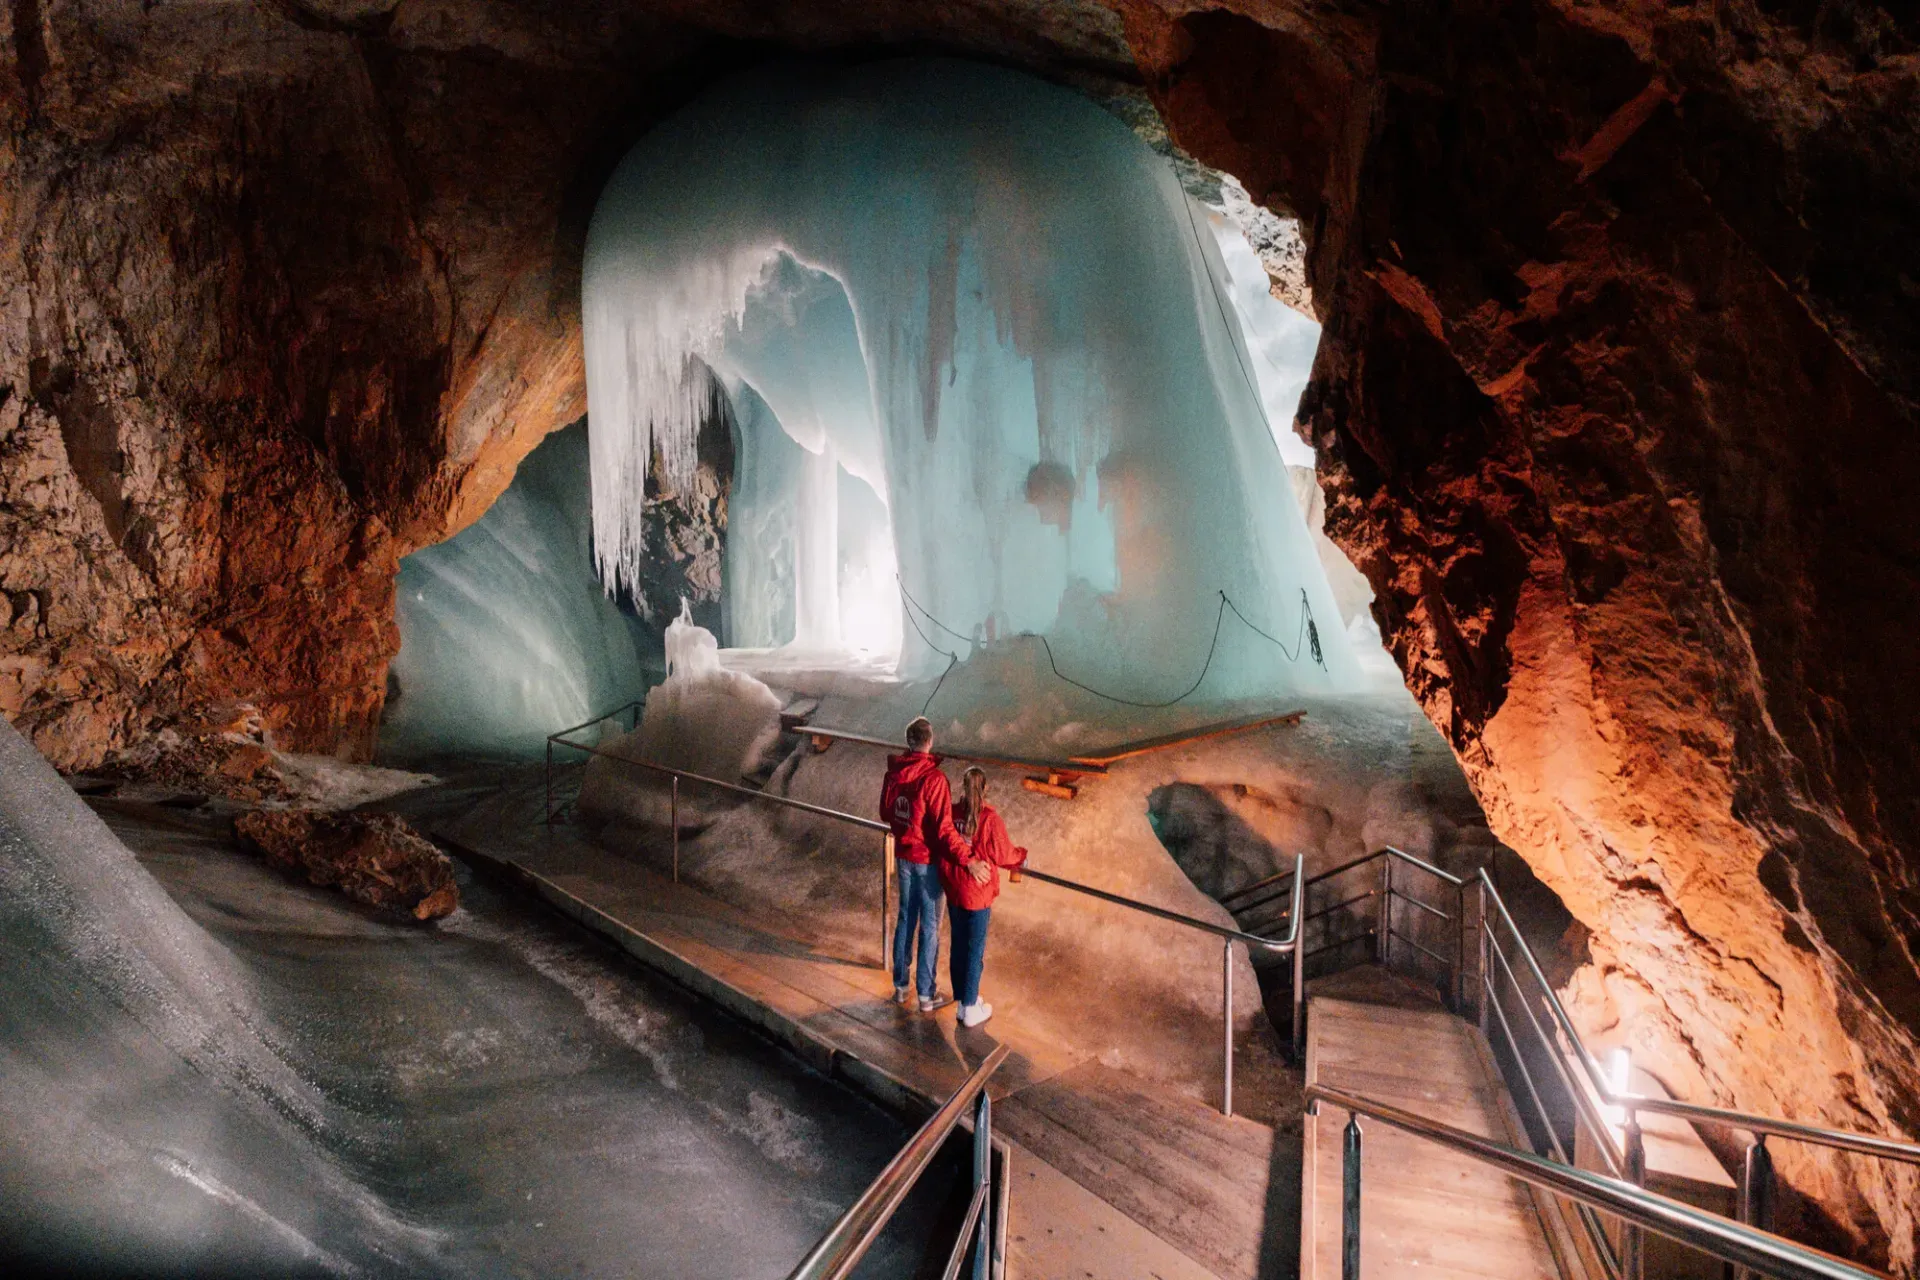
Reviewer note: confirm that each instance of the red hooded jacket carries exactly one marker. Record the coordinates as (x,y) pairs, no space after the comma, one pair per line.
(917,803)
(991,843)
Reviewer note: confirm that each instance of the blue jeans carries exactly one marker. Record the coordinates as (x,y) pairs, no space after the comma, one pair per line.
(920,896)
(968,952)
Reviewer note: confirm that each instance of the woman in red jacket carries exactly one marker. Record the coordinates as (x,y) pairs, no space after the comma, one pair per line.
(972,883)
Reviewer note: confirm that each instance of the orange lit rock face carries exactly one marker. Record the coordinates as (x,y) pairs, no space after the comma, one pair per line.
(1616,406)
(1617,411)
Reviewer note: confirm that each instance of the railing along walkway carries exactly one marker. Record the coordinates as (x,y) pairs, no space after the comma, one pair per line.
(1756,1251)
(1286,944)
(1490,973)
(983,1231)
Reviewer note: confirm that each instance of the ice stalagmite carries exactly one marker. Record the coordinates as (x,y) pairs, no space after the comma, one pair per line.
(987,304)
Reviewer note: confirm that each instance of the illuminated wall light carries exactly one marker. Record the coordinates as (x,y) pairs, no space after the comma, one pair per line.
(1619,1075)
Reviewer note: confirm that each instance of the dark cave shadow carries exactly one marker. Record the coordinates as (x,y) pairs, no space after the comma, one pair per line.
(1208,841)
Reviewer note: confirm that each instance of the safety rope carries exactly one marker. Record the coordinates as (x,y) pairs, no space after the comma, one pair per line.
(953,659)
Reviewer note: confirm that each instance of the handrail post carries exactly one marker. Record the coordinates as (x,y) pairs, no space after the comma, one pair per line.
(1482,935)
(1460,950)
(1633,1238)
(547,811)
(1226,1019)
(1756,1193)
(673,818)
(982,1174)
(1382,942)
(1350,1200)
(1299,998)
(886,898)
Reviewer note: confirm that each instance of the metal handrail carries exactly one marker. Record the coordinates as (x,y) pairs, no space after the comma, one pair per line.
(840,1250)
(1840,1139)
(1288,945)
(1730,1241)
(751,793)
(1385,851)
(1279,946)
(1865,1144)
(1624,1152)
(1388,851)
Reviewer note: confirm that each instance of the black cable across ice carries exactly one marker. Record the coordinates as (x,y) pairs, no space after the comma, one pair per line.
(953,659)
(1309,634)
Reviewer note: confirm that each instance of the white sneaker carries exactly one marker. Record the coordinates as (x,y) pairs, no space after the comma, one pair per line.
(972,1015)
(903,995)
(936,1001)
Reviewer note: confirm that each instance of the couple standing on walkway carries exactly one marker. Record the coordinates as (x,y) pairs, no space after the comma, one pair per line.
(946,846)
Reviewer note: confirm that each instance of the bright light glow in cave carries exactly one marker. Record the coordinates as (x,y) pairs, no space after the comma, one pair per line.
(972,331)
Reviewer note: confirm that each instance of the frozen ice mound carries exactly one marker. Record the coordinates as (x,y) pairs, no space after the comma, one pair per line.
(703,718)
(974,331)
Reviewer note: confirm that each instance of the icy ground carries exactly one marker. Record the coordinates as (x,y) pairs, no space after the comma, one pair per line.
(208,1069)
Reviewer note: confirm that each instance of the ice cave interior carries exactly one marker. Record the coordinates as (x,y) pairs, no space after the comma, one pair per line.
(728,386)
(1000,406)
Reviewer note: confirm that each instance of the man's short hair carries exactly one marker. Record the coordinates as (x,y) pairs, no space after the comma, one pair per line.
(920,733)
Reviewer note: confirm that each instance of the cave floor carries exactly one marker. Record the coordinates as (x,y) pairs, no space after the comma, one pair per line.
(1114,1175)
(516,1097)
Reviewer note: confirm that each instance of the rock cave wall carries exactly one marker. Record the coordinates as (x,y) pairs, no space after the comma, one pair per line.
(1615,407)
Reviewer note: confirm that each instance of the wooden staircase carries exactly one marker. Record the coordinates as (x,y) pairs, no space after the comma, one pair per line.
(1425,1211)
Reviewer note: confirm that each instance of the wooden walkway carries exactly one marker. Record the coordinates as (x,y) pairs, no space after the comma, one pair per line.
(1113,1177)
(1424,1211)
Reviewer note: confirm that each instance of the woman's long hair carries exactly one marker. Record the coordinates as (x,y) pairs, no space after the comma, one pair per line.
(973,791)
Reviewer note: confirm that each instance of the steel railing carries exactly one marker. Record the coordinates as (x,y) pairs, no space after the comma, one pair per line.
(1383,894)
(984,1229)
(1493,975)
(1747,1247)
(1288,945)
(677,776)
(1574,1073)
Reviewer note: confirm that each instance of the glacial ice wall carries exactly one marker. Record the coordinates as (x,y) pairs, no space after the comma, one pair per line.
(1040,380)
(505,633)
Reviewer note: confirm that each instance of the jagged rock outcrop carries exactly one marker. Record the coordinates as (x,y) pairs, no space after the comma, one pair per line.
(1617,410)
(375,858)
(1616,404)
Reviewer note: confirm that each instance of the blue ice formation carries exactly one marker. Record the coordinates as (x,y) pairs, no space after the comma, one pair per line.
(999,342)
(505,633)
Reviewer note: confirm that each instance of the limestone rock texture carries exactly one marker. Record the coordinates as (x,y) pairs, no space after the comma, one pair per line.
(1616,410)
(375,858)
(290,288)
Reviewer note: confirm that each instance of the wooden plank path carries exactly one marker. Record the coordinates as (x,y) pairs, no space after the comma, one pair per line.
(1113,1178)
(1425,1211)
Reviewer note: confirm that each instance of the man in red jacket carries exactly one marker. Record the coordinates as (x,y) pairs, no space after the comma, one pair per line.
(917,803)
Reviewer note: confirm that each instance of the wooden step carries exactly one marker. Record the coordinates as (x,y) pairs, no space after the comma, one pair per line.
(1425,1211)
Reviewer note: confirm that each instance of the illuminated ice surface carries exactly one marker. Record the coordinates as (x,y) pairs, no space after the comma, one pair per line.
(207,1069)
(978,304)
(506,635)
